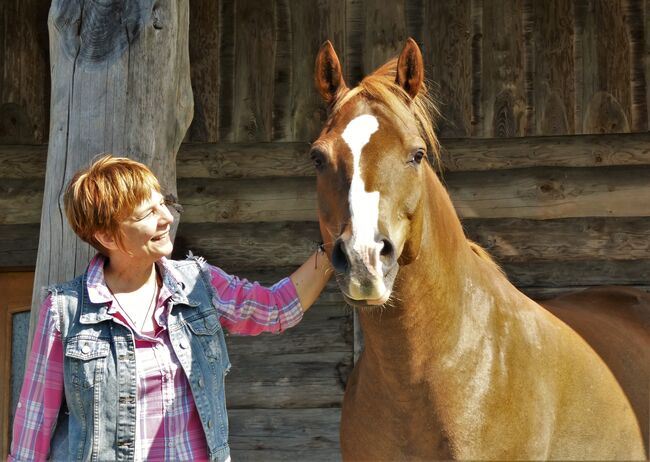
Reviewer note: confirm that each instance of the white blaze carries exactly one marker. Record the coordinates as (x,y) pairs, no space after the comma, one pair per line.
(364,206)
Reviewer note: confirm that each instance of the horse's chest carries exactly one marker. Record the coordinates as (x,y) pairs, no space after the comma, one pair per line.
(379,423)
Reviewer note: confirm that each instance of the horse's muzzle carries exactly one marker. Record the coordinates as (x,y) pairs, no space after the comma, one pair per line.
(365,272)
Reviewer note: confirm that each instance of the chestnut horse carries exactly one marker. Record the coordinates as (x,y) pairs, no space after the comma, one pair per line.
(457,362)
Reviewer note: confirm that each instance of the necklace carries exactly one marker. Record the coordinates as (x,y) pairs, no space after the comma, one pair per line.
(151,303)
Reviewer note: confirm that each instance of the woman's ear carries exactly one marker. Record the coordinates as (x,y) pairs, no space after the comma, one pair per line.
(106,239)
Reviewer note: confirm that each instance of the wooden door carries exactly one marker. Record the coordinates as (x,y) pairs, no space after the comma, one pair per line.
(15,303)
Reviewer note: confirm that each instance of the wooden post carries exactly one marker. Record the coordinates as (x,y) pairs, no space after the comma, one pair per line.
(120,84)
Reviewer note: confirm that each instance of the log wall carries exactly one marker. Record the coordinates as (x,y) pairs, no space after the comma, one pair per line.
(546,154)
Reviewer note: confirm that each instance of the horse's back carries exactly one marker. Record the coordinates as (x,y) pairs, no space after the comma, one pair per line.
(615,321)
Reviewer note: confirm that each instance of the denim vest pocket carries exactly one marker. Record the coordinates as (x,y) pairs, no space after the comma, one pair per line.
(87,357)
(206,330)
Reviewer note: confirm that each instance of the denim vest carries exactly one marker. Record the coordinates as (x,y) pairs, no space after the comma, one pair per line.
(97,421)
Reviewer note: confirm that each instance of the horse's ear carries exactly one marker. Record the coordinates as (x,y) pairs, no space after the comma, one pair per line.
(410,68)
(328,75)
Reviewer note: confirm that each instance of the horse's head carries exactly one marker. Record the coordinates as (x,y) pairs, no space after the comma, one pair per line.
(370,163)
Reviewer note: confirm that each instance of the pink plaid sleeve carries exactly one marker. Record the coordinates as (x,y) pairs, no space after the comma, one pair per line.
(42,391)
(247,308)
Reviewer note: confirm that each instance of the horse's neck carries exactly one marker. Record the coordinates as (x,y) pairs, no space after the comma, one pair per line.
(441,299)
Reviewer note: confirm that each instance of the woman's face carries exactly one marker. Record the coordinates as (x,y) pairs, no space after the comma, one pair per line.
(146,231)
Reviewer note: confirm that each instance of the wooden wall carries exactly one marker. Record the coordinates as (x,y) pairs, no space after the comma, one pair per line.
(545,146)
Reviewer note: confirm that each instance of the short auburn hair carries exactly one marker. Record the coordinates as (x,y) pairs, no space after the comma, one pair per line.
(102,196)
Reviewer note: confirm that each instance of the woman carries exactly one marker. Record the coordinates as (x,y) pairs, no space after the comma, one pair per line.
(128,360)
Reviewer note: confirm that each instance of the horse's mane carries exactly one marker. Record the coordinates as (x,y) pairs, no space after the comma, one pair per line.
(380,86)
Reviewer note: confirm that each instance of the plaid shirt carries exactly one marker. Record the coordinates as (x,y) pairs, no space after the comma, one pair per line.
(165,408)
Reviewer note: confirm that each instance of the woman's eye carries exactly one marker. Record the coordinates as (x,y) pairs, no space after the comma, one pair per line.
(144,216)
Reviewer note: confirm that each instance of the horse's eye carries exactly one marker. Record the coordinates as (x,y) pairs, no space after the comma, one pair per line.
(417,156)
(318,159)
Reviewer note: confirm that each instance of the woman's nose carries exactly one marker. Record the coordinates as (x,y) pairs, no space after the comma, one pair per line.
(166,216)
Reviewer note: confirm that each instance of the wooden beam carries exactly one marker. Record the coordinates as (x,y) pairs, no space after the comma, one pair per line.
(289,159)
(289,380)
(255,246)
(578,273)
(546,151)
(541,193)
(516,240)
(551,192)
(326,327)
(18,245)
(286,434)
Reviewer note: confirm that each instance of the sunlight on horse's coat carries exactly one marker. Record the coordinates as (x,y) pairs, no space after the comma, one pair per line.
(364,206)
(458,364)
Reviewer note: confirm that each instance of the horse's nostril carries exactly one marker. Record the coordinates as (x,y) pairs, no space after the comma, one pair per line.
(340,260)
(387,254)
(387,248)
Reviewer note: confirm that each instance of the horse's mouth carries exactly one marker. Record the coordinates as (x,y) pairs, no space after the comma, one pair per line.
(361,290)
(364,303)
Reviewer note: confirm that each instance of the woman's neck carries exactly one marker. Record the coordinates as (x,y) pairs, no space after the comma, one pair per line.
(127,276)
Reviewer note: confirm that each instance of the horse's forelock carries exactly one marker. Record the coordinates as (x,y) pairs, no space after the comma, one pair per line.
(380,86)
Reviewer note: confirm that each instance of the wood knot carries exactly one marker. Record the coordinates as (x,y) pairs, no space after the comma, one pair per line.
(157,18)
(546,188)
(93,33)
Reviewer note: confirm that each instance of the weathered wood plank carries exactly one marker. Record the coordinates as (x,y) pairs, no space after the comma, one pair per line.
(602,60)
(546,151)
(244,160)
(448,41)
(291,159)
(352,50)
(288,380)
(18,245)
(285,434)
(384,32)
(298,112)
(477,115)
(574,239)
(578,273)
(527,275)
(282,38)
(326,327)
(258,246)
(226,81)
(249,245)
(547,193)
(234,201)
(21,201)
(550,70)
(544,293)
(541,193)
(255,49)
(503,94)
(635,16)
(24,72)
(205,64)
